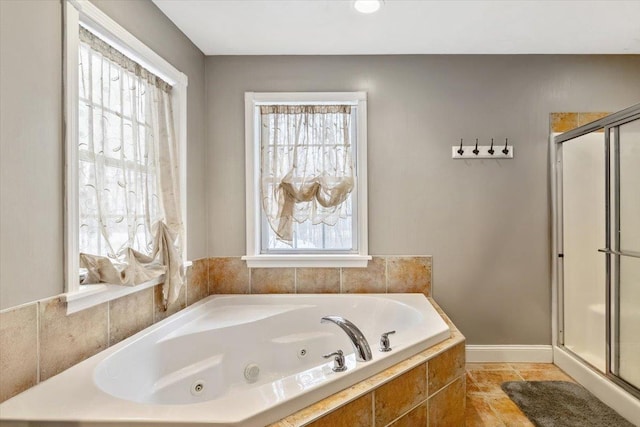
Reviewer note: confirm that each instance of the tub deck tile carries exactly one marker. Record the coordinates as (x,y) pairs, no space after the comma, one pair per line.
(281,423)
(400,394)
(357,413)
(447,407)
(417,417)
(454,390)
(445,367)
(325,406)
(395,371)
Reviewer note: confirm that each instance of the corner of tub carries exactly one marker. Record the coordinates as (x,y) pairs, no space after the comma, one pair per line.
(455,338)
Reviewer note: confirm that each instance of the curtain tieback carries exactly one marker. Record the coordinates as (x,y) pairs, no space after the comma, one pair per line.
(327,196)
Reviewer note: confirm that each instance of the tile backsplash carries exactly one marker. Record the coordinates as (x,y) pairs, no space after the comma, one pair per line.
(39,340)
(383,274)
(18,350)
(563,122)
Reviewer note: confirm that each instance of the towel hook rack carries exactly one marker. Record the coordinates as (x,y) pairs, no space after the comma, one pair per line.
(478,151)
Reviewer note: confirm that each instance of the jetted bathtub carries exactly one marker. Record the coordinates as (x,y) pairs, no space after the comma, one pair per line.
(233,360)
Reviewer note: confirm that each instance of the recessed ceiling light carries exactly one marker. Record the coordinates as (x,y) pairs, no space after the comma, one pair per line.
(367,6)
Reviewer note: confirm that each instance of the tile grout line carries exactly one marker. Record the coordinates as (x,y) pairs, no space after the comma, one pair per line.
(495,412)
(426,369)
(467,372)
(208,275)
(386,275)
(488,397)
(373,408)
(482,395)
(422,402)
(431,276)
(447,385)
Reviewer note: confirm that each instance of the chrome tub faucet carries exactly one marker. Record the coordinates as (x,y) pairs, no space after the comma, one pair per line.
(360,345)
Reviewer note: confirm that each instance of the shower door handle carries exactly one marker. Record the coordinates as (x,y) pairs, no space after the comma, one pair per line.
(623,253)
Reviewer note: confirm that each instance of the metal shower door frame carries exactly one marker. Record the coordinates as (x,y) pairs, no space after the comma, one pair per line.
(611,127)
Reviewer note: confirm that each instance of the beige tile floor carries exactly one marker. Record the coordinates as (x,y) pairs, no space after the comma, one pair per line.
(488,405)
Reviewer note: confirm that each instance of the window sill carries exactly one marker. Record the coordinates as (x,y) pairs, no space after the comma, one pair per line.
(91,295)
(315,260)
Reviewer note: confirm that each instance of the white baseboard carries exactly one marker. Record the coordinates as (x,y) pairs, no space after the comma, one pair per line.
(509,353)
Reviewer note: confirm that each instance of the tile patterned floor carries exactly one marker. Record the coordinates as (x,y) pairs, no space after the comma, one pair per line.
(488,405)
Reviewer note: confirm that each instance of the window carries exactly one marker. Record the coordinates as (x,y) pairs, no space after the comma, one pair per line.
(118,181)
(306,179)
(125,141)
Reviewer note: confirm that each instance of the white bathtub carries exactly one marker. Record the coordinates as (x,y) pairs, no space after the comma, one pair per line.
(190,368)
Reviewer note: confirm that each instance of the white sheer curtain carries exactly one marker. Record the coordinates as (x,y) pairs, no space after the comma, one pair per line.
(131,228)
(306,165)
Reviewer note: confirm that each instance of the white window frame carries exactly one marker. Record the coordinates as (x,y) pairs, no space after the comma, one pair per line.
(254,257)
(83,13)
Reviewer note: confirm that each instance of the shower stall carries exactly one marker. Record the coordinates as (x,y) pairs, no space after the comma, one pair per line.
(596,250)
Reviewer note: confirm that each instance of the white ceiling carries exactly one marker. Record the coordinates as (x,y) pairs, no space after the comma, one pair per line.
(325,27)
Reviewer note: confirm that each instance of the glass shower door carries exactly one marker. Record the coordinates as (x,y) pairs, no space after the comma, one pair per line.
(583,232)
(597,238)
(626,254)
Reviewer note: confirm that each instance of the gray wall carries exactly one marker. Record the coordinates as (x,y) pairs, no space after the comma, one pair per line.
(31,144)
(486,223)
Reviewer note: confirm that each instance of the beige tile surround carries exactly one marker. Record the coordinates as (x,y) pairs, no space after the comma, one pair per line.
(563,122)
(39,340)
(384,274)
(18,350)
